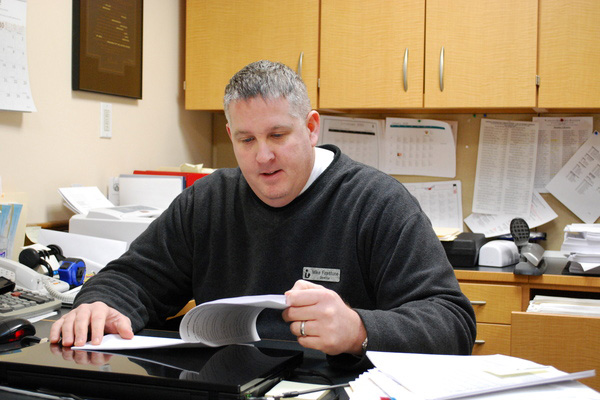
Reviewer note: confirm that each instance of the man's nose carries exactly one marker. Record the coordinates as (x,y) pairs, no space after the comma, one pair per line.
(264,153)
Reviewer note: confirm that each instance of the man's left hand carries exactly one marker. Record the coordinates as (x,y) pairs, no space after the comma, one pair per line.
(329,324)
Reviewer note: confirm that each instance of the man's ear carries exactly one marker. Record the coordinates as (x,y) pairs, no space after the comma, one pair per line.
(313,123)
(228,131)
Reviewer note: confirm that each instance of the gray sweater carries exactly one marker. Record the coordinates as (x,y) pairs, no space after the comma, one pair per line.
(217,239)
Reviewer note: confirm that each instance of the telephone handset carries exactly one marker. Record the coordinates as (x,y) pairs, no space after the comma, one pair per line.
(26,278)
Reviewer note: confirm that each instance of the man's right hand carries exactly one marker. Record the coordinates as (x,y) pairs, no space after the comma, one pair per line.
(97,319)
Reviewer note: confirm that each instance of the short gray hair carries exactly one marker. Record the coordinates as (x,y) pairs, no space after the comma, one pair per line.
(269,80)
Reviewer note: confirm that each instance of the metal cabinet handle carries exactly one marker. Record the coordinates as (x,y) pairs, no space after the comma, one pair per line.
(442,69)
(299,69)
(405,69)
(478,303)
(479,341)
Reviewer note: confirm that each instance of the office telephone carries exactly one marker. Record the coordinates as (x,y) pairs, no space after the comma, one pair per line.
(26,278)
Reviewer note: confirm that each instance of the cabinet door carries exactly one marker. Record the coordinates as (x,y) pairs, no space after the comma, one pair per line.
(224,36)
(569,55)
(489,53)
(363,47)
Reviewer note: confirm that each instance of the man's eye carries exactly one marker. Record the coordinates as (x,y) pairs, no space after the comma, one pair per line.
(247,140)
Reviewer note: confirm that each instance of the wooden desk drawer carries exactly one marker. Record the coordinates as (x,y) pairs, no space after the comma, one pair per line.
(492,339)
(570,343)
(493,303)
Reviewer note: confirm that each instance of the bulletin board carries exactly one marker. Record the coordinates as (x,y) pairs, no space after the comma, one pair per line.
(107,47)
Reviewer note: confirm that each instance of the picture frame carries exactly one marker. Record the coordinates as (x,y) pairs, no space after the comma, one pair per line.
(107,47)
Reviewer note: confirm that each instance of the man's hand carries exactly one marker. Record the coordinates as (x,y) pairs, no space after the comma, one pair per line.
(74,326)
(330,325)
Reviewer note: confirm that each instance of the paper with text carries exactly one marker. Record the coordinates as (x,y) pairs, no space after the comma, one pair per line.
(463,376)
(558,139)
(358,138)
(505,167)
(215,323)
(418,147)
(441,202)
(577,184)
(495,225)
(15,90)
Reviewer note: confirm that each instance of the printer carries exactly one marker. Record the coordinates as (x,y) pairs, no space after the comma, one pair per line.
(123,223)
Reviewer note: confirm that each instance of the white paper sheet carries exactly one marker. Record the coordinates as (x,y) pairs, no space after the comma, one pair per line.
(505,167)
(81,199)
(495,225)
(558,139)
(577,184)
(418,147)
(358,138)
(441,202)
(459,376)
(15,91)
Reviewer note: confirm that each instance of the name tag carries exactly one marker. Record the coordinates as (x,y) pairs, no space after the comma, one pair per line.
(321,274)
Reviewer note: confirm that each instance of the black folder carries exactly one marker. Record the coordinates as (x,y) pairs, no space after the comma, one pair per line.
(230,372)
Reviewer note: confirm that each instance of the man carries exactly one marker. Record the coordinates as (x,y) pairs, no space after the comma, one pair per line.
(355,255)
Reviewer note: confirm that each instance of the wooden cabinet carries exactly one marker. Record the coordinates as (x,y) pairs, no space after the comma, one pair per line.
(224,36)
(567,342)
(569,55)
(489,54)
(371,54)
(403,54)
(493,305)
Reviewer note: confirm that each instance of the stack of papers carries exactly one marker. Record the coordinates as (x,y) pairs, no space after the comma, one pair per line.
(581,245)
(443,377)
(564,305)
(81,199)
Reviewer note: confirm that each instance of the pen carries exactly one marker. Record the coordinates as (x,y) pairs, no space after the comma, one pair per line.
(297,393)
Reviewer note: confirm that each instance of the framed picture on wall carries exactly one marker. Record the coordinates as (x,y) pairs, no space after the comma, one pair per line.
(107,47)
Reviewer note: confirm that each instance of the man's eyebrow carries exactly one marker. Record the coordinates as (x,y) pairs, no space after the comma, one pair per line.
(271,129)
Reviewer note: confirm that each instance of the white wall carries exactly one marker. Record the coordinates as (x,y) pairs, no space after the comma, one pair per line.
(60,144)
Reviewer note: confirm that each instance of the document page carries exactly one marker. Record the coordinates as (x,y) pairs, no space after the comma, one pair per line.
(462,376)
(441,202)
(215,323)
(558,139)
(505,167)
(227,321)
(577,184)
(418,147)
(495,225)
(358,138)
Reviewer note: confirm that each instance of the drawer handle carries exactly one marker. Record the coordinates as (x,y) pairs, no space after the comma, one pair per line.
(300,61)
(442,69)
(479,341)
(478,303)
(405,69)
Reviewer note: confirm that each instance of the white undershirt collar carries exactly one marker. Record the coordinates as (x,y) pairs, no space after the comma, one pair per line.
(323,158)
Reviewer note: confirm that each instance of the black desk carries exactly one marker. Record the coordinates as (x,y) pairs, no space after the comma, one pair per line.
(314,368)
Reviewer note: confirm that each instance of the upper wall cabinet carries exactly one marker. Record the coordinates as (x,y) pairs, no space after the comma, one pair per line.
(224,36)
(569,54)
(480,54)
(372,53)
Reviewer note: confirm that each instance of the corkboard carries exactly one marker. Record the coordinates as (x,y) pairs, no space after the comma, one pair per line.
(466,156)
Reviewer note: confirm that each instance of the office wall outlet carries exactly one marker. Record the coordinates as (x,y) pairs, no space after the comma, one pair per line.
(105,120)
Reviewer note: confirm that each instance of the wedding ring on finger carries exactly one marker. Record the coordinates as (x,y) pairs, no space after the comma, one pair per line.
(302,325)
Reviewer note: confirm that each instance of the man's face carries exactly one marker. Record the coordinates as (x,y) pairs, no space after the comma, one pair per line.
(274,150)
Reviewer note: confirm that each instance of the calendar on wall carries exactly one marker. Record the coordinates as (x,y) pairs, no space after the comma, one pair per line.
(15,91)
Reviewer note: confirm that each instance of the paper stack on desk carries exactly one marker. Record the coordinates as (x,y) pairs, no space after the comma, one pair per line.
(581,245)
(444,377)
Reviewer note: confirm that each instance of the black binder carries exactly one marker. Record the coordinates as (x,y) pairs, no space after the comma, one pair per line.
(231,372)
